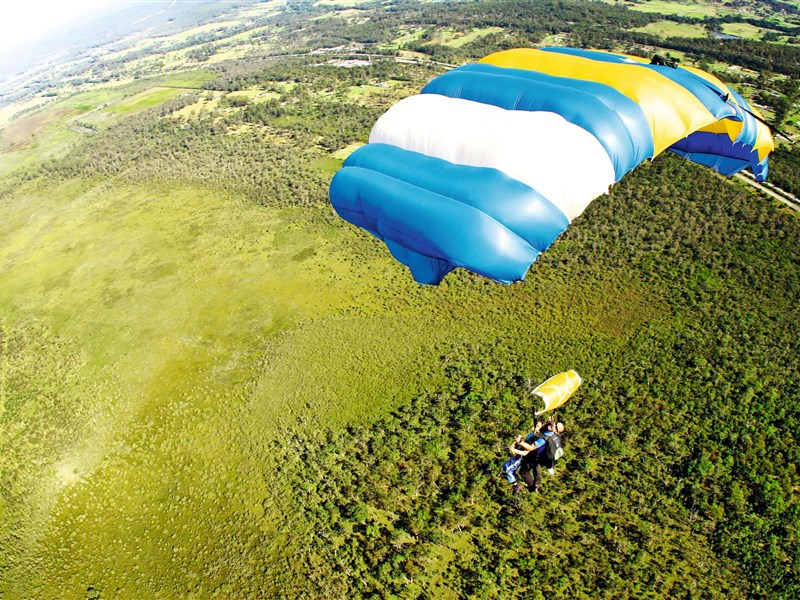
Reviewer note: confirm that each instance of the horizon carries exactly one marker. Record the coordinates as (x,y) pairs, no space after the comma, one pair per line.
(26,24)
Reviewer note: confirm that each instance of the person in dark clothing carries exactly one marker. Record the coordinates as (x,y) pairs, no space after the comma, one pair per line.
(535,454)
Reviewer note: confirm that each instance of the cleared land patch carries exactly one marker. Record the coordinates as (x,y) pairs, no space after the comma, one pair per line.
(694,9)
(166,293)
(458,39)
(18,134)
(670,28)
(745,30)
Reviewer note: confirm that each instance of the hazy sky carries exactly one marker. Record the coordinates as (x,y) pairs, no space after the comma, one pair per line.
(26,20)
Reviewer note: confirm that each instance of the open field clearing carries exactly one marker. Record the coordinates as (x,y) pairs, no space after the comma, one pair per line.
(17,135)
(9,111)
(36,138)
(144,100)
(104,294)
(456,40)
(745,30)
(669,28)
(685,9)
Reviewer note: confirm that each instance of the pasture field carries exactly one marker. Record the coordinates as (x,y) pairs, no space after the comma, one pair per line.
(670,29)
(745,30)
(698,9)
(147,99)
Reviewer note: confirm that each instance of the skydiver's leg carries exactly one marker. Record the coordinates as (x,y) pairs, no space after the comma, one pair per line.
(537,479)
(532,479)
(510,467)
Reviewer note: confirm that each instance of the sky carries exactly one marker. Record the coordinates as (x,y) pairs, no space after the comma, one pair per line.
(26,20)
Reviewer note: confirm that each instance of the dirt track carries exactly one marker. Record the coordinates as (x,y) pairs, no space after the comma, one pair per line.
(773,191)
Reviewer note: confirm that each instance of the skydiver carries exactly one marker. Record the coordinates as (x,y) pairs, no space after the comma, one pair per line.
(535,454)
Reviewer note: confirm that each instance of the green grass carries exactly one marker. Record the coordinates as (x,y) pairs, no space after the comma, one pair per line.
(144,100)
(744,30)
(672,29)
(52,138)
(153,304)
(686,9)
(345,152)
(456,39)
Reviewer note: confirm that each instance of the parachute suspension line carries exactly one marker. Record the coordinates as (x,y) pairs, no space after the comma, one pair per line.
(765,122)
(723,211)
(665,62)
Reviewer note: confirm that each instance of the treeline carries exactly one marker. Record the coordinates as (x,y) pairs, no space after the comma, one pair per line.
(312,74)
(752,54)
(784,169)
(258,163)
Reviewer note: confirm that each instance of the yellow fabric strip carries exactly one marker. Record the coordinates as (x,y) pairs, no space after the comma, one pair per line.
(672,112)
(764,142)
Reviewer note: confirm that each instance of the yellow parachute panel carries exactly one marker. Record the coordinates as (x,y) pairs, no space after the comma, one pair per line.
(557,390)
(672,111)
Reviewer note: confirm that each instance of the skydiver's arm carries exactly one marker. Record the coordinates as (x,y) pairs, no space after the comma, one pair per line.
(515,450)
(527,446)
(536,444)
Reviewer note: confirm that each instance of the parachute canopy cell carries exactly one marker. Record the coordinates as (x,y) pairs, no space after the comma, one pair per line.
(557,390)
(489,164)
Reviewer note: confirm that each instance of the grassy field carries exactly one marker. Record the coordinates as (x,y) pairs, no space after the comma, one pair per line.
(456,39)
(744,30)
(698,9)
(177,291)
(670,28)
(144,100)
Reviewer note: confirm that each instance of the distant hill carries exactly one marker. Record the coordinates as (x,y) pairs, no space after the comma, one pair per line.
(112,28)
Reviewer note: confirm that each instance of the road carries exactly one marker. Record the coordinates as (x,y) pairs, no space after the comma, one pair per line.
(773,191)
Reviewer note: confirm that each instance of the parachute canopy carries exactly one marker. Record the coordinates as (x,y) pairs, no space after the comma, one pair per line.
(557,390)
(489,164)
